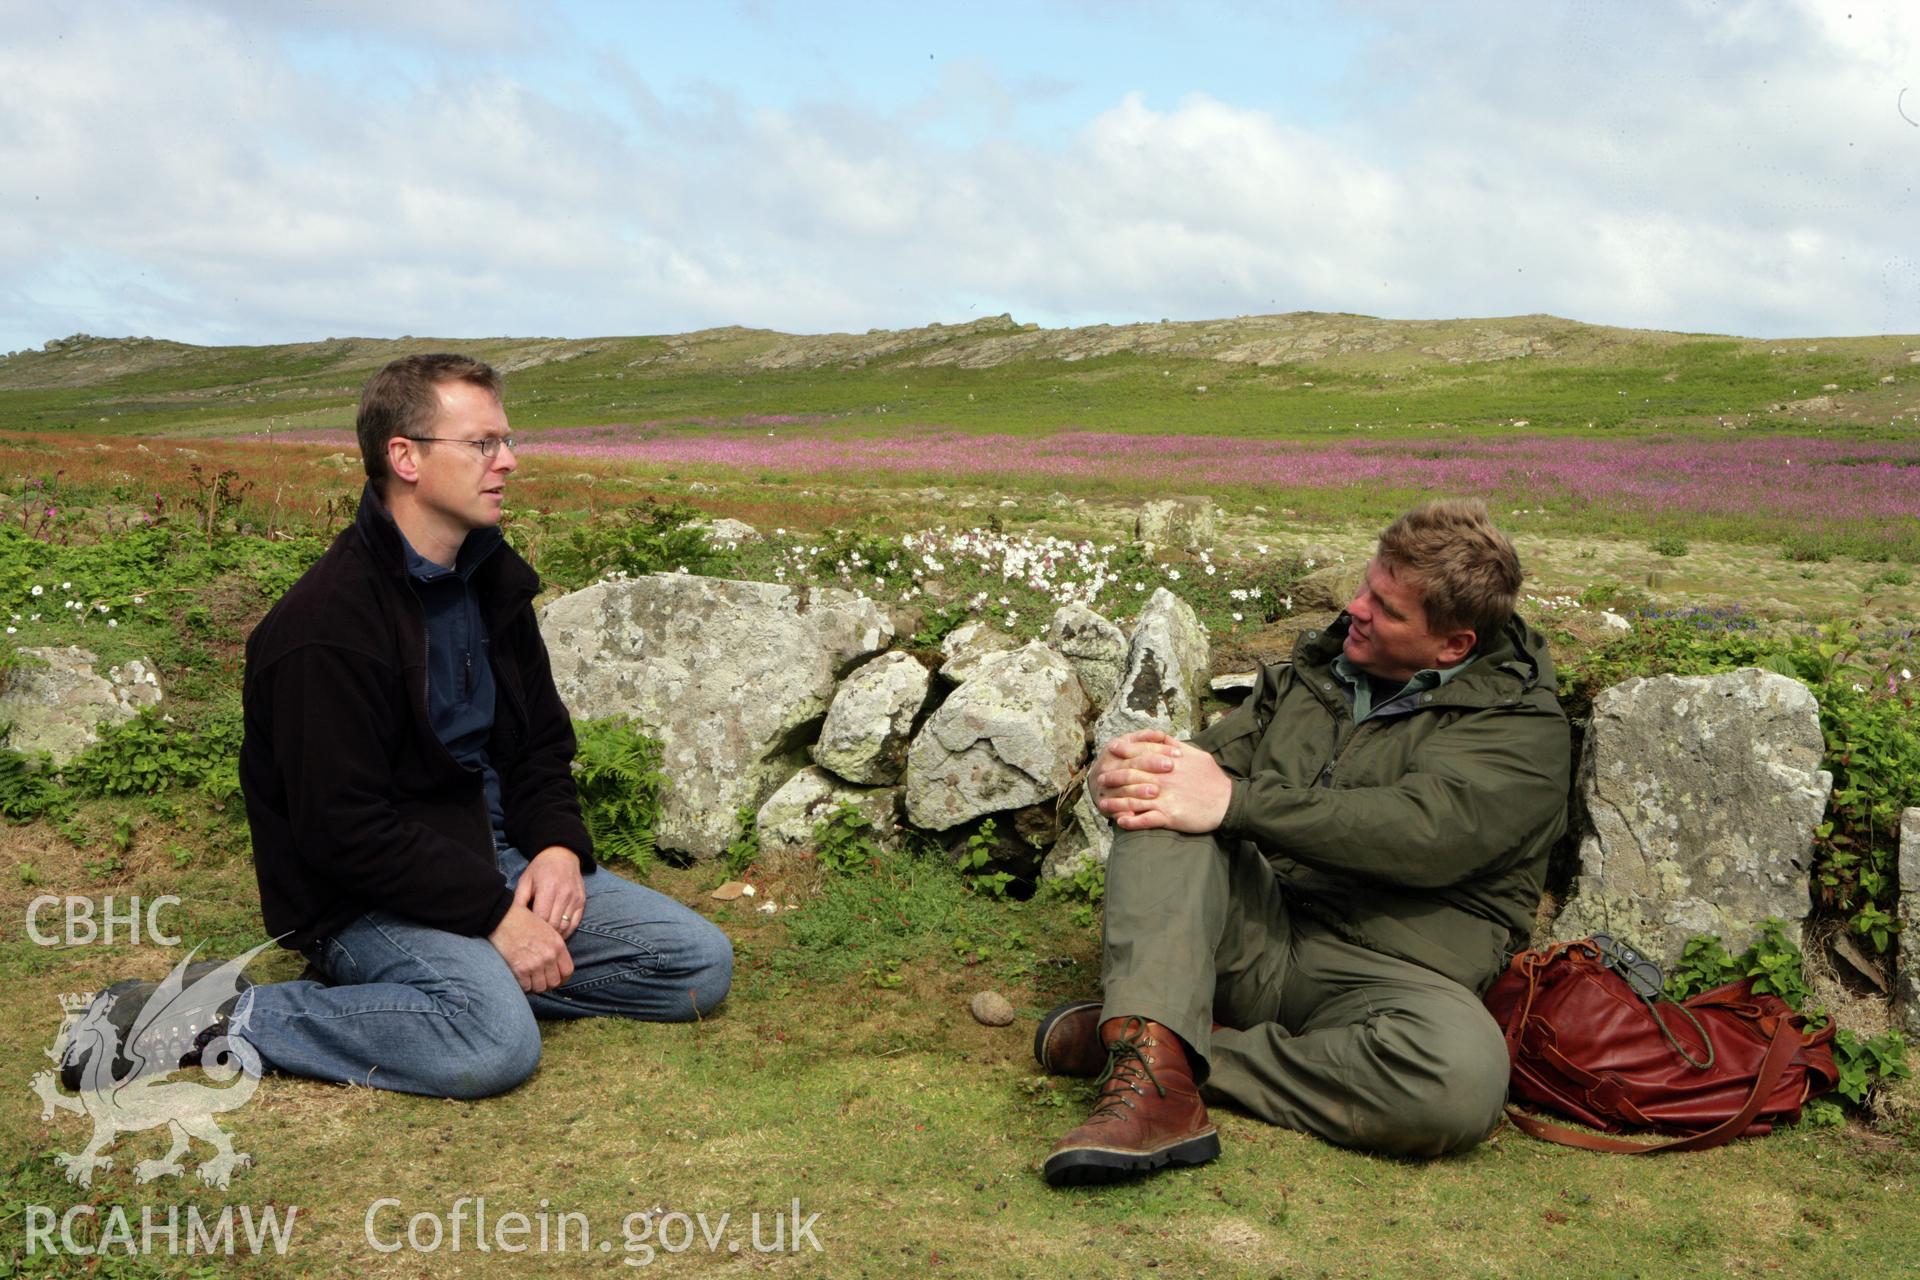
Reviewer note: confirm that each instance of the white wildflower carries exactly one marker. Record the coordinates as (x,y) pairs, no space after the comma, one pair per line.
(38,589)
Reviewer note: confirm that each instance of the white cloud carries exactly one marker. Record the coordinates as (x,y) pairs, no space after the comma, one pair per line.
(181,171)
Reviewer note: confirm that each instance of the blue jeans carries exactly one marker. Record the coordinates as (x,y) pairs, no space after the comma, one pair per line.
(420,1010)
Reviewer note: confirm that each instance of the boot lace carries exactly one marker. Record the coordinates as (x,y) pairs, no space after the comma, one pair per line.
(1125,1063)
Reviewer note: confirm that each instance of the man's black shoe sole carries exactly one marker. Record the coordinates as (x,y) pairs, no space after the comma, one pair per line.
(1091,1166)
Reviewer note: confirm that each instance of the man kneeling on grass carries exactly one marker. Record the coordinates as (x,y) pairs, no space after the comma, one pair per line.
(1304,902)
(408,777)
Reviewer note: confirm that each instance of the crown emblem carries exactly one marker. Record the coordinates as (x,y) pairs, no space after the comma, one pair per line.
(77,1003)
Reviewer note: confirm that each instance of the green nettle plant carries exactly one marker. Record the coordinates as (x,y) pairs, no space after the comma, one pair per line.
(648,537)
(1774,963)
(1086,888)
(976,856)
(28,789)
(744,849)
(147,755)
(617,772)
(844,842)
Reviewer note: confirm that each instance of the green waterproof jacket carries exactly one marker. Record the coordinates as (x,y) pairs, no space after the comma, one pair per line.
(1422,833)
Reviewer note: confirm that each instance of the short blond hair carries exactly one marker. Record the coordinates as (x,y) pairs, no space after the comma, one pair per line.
(1467,571)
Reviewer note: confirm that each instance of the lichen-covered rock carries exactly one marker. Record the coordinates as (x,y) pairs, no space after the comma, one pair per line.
(1906,978)
(1167,669)
(727,533)
(1327,589)
(732,677)
(1011,736)
(965,645)
(871,720)
(1698,799)
(1180,522)
(55,701)
(1166,673)
(1096,648)
(790,817)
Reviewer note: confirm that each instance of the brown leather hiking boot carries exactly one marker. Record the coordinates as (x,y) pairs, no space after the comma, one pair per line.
(1067,1041)
(1149,1112)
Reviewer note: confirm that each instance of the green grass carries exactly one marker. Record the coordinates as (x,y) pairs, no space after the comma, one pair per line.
(915,1134)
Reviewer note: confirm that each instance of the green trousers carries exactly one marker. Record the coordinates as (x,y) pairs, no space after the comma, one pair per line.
(1317,1033)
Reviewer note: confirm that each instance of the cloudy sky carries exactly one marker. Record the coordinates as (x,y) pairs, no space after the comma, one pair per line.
(228,171)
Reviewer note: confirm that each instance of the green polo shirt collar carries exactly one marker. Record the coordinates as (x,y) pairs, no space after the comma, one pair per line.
(1361,689)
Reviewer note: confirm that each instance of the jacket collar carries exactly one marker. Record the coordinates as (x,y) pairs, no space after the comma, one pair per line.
(1515,660)
(375,525)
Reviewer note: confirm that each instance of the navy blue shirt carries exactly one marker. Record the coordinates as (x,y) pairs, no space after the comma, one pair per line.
(460,693)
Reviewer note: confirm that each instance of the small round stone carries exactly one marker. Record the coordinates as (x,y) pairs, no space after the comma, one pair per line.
(991,1009)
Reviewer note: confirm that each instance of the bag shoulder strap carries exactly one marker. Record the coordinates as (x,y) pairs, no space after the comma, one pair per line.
(1785,1043)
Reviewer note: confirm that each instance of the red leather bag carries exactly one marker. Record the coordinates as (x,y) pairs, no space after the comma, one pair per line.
(1724,1064)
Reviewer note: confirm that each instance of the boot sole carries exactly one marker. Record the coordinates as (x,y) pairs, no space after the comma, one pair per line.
(1045,1029)
(1088,1166)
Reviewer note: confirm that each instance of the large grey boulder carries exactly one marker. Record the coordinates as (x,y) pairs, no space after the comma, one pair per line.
(1906,976)
(1011,736)
(732,677)
(1167,668)
(871,720)
(791,815)
(1181,522)
(55,701)
(965,645)
(1096,648)
(1698,799)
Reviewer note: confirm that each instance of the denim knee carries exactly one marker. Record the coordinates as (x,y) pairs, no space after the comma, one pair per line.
(497,1053)
(709,970)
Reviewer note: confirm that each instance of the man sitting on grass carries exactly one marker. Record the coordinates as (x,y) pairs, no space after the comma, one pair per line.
(407,769)
(1304,902)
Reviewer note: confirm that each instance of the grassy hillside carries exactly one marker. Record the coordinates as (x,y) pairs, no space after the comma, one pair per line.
(1264,377)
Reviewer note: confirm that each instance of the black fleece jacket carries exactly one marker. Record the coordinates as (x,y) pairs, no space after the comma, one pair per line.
(354,803)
